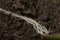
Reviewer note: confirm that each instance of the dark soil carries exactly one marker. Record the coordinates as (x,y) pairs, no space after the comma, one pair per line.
(46,12)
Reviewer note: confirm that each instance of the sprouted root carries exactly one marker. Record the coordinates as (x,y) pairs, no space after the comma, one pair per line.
(39,28)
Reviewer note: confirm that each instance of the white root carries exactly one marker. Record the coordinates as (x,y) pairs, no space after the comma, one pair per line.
(39,28)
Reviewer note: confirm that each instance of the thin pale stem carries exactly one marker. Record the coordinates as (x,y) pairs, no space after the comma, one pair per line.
(39,28)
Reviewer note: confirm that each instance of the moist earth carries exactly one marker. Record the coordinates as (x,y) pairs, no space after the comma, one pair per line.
(46,12)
